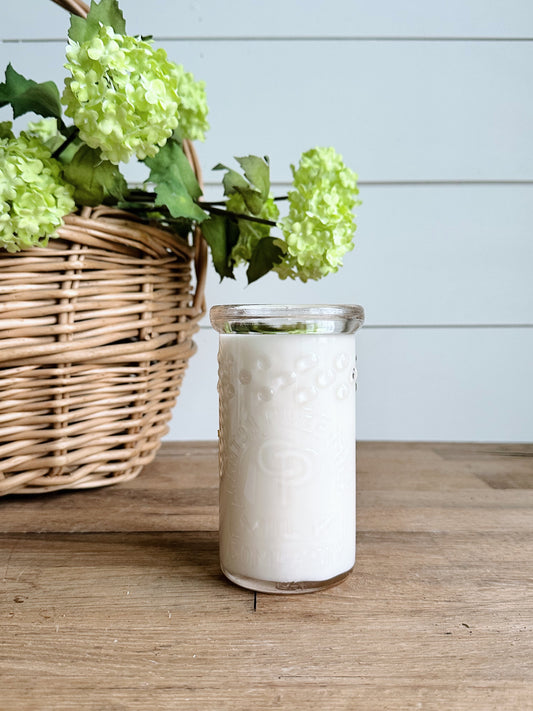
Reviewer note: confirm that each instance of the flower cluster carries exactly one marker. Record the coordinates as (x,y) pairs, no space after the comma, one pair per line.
(192,105)
(33,196)
(123,94)
(45,129)
(319,228)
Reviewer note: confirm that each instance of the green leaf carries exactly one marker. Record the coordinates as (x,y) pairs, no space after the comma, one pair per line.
(77,29)
(26,95)
(185,169)
(107,12)
(176,186)
(257,171)
(233,182)
(5,130)
(95,180)
(265,255)
(252,198)
(221,234)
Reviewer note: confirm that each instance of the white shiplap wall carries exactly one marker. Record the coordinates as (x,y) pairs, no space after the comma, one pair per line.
(431,103)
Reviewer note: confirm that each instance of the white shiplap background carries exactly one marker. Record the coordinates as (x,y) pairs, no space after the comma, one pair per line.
(432,104)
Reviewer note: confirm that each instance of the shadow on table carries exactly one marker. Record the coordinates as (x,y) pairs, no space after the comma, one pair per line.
(191,555)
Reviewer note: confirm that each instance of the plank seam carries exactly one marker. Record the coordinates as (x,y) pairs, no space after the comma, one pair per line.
(294,38)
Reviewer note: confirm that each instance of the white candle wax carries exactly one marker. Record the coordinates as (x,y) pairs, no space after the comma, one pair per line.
(287,458)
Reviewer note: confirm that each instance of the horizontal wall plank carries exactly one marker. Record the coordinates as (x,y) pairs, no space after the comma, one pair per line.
(430,255)
(449,384)
(241,18)
(414,384)
(396,111)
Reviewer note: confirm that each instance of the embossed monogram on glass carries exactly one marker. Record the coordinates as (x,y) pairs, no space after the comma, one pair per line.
(287,444)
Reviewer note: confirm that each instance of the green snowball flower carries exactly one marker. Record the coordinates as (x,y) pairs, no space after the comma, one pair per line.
(45,129)
(192,105)
(34,198)
(319,228)
(250,232)
(123,95)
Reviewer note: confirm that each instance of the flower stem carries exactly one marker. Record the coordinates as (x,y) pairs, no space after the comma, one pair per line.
(146,199)
(211,208)
(66,143)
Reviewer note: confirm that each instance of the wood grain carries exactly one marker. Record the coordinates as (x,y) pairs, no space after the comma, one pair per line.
(112,599)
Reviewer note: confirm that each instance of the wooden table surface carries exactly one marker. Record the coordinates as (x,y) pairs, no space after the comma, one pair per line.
(112,598)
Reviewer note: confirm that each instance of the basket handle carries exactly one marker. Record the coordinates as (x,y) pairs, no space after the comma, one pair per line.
(76,7)
(200,245)
(79,7)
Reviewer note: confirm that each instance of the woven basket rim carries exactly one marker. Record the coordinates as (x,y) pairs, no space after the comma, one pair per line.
(94,343)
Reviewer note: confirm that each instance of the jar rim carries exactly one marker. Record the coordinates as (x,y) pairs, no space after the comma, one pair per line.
(320,319)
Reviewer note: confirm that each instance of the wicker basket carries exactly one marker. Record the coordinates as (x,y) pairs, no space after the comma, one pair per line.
(95,335)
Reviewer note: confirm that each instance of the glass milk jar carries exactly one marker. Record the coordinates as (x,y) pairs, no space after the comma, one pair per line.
(287,444)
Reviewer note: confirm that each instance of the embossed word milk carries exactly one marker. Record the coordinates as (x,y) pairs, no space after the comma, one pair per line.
(287,444)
